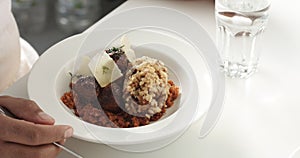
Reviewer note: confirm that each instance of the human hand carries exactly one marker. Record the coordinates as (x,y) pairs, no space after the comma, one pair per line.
(32,135)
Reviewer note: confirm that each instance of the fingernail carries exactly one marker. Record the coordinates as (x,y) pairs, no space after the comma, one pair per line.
(69,133)
(45,116)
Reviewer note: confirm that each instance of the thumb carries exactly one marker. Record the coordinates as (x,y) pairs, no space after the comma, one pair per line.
(26,109)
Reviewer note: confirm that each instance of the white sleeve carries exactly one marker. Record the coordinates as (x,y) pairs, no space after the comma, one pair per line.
(9,46)
(28,57)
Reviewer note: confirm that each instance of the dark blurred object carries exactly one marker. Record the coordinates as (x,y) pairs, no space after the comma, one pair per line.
(108,5)
(30,15)
(76,15)
(36,20)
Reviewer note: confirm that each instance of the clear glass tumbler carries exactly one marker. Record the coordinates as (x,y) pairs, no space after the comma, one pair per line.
(240,26)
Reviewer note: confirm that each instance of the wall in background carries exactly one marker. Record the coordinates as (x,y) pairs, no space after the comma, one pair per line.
(45,22)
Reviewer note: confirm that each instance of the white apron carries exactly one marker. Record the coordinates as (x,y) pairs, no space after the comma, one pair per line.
(16,55)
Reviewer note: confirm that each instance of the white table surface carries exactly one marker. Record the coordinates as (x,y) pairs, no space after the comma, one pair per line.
(261,116)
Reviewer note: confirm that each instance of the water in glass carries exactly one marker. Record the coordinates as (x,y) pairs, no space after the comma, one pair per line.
(240,24)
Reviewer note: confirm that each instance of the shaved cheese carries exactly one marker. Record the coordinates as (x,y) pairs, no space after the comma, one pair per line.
(104,69)
(127,48)
(83,68)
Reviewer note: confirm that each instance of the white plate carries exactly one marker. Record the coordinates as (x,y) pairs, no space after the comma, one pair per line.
(51,72)
(54,67)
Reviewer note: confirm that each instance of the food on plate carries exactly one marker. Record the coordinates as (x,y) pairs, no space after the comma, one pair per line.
(123,91)
(146,87)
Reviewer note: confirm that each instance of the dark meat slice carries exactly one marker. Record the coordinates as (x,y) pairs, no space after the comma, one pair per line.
(122,63)
(90,114)
(110,97)
(86,88)
(87,91)
(119,58)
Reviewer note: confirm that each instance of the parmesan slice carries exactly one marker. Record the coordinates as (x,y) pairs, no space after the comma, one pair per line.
(104,69)
(127,48)
(83,68)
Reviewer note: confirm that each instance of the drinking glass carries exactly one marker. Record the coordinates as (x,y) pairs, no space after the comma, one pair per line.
(240,27)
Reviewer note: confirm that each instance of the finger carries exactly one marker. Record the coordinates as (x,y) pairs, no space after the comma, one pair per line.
(27,133)
(26,109)
(12,150)
(62,142)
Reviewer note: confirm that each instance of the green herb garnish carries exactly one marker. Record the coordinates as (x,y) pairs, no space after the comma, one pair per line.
(70,73)
(115,49)
(104,69)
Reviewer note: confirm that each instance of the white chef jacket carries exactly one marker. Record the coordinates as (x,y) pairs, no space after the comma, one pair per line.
(16,55)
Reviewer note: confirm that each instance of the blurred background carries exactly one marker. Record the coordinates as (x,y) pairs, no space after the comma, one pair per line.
(45,22)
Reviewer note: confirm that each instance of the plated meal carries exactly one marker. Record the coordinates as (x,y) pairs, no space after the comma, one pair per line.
(186,66)
(116,89)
